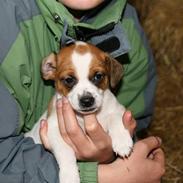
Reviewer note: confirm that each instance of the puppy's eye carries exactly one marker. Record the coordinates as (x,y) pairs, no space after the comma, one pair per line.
(69,81)
(97,77)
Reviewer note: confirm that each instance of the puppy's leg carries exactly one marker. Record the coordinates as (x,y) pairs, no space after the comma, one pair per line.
(67,162)
(64,155)
(121,140)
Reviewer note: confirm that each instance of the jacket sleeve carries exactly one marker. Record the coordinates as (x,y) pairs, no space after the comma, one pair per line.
(20,159)
(139,81)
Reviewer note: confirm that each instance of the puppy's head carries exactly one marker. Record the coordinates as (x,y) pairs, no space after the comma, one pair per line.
(82,72)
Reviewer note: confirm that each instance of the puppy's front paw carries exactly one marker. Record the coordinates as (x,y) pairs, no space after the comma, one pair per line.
(122,144)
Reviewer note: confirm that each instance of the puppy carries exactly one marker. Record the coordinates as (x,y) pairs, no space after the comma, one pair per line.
(83,74)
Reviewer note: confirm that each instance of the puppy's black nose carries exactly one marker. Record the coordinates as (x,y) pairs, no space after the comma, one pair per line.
(87,101)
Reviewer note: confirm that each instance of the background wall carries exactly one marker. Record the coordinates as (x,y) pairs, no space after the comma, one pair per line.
(162,21)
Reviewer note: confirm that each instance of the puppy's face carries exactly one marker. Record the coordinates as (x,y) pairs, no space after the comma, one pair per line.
(82,72)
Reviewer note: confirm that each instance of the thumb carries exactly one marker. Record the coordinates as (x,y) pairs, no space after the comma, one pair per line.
(43,134)
(129,122)
(146,146)
(159,156)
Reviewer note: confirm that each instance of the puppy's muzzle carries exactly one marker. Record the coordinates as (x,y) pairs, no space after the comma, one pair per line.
(87,102)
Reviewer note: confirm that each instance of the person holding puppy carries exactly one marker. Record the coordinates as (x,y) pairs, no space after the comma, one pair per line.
(30,30)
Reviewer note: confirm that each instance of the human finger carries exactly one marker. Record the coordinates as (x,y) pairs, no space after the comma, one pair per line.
(96,133)
(159,156)
(61,124)
(43,134)
(72,127)
(159,162)
(61,121)
(129,122)
(144,147)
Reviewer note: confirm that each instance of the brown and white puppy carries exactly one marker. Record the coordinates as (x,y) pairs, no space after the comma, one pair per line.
(84,74)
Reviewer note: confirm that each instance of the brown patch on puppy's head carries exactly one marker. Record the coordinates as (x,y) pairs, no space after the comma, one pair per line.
(66,74)
(116,71)
(58,67)
(108,70)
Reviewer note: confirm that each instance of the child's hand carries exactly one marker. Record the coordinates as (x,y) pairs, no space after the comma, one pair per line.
(146,164)
(95,144)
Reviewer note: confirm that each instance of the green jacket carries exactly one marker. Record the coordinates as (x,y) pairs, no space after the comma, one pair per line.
(29,31)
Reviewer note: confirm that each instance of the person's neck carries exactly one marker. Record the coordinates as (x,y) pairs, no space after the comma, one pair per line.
(78,14)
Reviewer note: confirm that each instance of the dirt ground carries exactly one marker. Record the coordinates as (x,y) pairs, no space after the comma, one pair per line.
(167,45)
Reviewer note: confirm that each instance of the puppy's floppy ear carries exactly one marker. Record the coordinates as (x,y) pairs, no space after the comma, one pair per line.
(116,71)
(48,68)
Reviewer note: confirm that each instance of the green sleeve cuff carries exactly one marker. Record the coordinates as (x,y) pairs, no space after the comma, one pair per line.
(88,172)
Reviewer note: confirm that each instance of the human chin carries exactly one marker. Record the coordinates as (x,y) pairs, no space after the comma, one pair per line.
(81,4)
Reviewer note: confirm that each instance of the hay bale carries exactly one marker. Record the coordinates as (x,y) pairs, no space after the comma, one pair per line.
(163,24)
